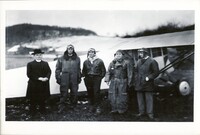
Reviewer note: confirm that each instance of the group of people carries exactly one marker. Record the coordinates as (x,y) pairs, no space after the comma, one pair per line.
(121,75)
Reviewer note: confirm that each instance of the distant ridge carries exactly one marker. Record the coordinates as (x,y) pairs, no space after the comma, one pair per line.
(162,29)
(24,33)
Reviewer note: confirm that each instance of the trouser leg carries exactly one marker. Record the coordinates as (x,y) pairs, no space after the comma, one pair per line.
(122,96)
(42,106)
(96,91)
(63,94)
(32,106)
(63,98)
(97,96)
(112,95)
(89,85)
(149,102)
(74,93)
(141,103)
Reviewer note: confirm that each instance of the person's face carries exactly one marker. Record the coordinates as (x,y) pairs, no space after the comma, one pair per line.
(141,54)
(91,54)
(172,54)
(70,50)
(118,55)
(38,56)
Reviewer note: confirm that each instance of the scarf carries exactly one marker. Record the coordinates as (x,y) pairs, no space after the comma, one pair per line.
(92,59)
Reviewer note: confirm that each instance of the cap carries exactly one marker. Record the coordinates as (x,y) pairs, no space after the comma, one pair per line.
(120,51)
(143,50)
(92,50)
(70,46)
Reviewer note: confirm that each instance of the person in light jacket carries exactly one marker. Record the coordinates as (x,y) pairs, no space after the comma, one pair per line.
(93,71)
(68,76)
(119,78)
(38,90)
(146,71)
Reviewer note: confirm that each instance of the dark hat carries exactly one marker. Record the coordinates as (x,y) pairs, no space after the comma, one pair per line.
(143,50)
(37,51)
(70,46)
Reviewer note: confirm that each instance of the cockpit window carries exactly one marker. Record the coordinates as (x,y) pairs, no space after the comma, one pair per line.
(156,52)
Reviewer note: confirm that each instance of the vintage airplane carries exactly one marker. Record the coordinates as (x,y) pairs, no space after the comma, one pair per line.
(180,72)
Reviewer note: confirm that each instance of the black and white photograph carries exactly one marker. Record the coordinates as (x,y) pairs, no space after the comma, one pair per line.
(98,68)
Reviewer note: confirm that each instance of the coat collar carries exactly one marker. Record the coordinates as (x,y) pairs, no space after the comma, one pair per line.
(92,59)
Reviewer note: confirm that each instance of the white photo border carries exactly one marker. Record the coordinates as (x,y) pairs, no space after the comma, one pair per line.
(136,128)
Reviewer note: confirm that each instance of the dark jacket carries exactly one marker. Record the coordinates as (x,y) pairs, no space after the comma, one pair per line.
(66,68)
(121,70)
(37,89)
(119,75)
(97,68)
(145,68)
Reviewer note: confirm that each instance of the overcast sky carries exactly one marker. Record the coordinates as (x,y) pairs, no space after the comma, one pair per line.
(106,23)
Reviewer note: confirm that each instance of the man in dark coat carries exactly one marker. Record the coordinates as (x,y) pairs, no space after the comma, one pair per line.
(38,72)
(93,71)
(68,76)
(119,78)
(146,71)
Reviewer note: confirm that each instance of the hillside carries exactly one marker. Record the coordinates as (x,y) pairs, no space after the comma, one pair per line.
(162,29)
(25,33)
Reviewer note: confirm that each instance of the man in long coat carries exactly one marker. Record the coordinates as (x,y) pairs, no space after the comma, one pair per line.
(146,71)
(68,76)
(38,72)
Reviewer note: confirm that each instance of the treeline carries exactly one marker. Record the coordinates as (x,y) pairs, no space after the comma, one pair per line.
(168,28)
(24,33)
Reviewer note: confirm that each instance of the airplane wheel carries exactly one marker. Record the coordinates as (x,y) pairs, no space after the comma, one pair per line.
(184,87)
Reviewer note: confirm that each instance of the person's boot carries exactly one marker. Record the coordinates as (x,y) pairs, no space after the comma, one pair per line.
(139,115)
(43,111)
(32,110)
(151,117)
(98,110)
(91,108)
(121,111)
(61,108)
(113,112)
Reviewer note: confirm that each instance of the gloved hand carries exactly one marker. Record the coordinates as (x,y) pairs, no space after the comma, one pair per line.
(107,82)
(130,87)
